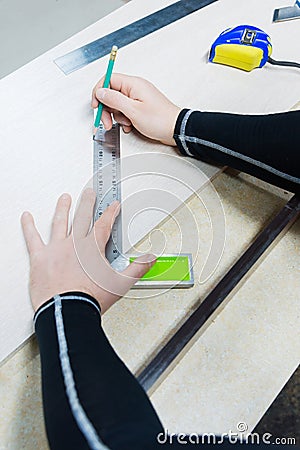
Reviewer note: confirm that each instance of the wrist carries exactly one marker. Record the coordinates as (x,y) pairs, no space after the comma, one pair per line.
(172,119)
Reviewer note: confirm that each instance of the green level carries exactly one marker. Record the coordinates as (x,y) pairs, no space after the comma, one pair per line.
(168,271)
(168,268)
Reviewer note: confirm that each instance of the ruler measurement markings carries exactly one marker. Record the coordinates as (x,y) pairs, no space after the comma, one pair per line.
(107,182)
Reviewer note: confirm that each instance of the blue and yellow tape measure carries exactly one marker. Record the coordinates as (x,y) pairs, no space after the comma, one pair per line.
(245,47)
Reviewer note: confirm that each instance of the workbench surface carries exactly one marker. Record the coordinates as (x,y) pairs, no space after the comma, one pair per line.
(245,356)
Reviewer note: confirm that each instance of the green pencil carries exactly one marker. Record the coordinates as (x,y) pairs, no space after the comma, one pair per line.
(110,66)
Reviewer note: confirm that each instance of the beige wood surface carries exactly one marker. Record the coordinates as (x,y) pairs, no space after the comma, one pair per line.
(46,119)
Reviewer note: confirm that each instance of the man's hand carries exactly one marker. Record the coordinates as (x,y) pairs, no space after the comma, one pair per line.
(135,102)
(76,261)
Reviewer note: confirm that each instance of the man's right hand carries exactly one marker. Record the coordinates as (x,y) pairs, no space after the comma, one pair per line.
(135,102)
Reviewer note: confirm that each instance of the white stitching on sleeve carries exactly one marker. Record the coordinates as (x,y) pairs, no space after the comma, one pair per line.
(238,155)
(83,422)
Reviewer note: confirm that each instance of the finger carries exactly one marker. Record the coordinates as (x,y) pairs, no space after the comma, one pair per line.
(104,224)
(84,214)
(127,129)
(121,119)
(95,101)
(60,222)
(32,237)
(116,100)
(118,82)
(106,119)
(138,269)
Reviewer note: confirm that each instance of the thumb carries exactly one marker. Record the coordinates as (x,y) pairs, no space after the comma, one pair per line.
(139,267)
(116,100)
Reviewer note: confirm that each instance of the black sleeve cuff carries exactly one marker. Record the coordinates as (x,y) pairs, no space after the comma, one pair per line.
(178,131)
(74,296)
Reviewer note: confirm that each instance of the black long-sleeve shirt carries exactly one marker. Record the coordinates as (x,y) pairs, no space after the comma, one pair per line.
(266,146)
(90,398)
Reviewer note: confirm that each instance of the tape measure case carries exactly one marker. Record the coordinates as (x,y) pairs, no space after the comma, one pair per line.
(245,47)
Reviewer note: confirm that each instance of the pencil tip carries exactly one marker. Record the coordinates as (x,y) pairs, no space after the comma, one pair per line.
(93,137)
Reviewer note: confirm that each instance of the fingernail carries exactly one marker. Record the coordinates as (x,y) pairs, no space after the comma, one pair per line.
(100,93)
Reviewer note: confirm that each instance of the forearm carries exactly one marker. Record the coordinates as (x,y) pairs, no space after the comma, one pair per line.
(266,146)
(90,397)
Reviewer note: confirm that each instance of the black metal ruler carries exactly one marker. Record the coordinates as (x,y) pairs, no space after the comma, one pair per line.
(123,36)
